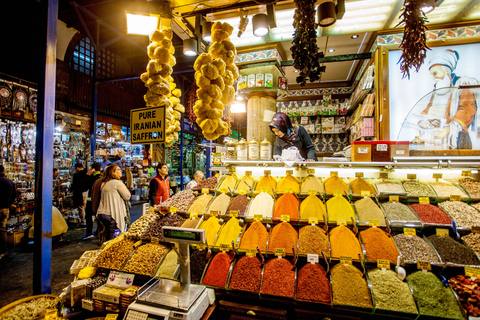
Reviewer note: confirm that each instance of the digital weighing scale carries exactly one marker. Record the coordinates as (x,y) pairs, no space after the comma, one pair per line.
(162,299)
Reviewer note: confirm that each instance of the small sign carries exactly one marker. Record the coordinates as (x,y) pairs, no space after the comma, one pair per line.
(337,193)
(173,210)
(411,176)
(215,213)
(111,316)
(341,222)
(258,217)
(424,265)
(475,229)
(285,218)
(346,260)
(312,258)
(333,174)
(365,193)
(264,189)
(383,264)
(147,125)
(217,175)
(120,279)
(51,314)
(311,171)
(312,192)
(289,190)
(205,190)
(280,252)
(466,173)
(383,175)
(393,198)
(233,213)
(374,222)
(223,190)
(424,200)
(154,240)
(193,215)
(472,272)
(359,174)
(251,252)
(437,176)
(248,173)
(442,232)
(290,172)
(455,197)
(312,221)
(146,208)
(267,172)
(224,246)
(244,192)
(409,231)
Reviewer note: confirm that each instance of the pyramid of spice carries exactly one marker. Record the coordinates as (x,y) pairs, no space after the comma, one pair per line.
(359,184)
(379,245)
(261,204)
(200,203)
(256,235)
(453,251)
(313,240)
(219,203)
(238,203)
(217,271)
(279,278)
(389,186)
(334,183)
(288,182)
(311,182)
(229,232)
(190,223)
(397,211)
(349,287)
(367,209)
(268,182)
(432,297)
(343,242)
(209,183)
(139,226)
(391,293)
(312,207)
(246,183)
(211,227)
(180,200)
(339,208)
(146,259)
(155,229)
(286,205)
(246,274)
(228,182)
(113,256)
(283,236)
(414,248)
(313,283)
(472,186)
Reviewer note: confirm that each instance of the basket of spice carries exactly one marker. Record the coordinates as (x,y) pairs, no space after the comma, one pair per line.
(361,186)
(217,270)
(414,248)
(255,235)
(246,275)
(345,243)
(31,308)
(464,215)
(386,187)
(286,205)
(471,186)
(279,278)
(418,188)
(312,207)
(313,282)
(466,286)
(400,215)
(283,236)
(445,189)
(379,245)
(340,210)
(369,213)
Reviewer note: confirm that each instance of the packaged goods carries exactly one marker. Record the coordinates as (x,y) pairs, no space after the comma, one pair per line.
(349,287)
(453,251)
(416,188)
(283,236)
(391,293)
(286,205)
(288,182)
(399,212)
(145,259)
(246,183)
(313,284)
(472,186)
(246,274)
(261,204)
(379,245)
(198,261)
(239,203)
(279,278)
(200,203)
(312,207)
(313,240)
(367,210)
(381,151)
(343,242)
(432,297)
(181,200)
(311,183)
(339,208)
(445,189)
(229,232)
(217,271)
(362,151)
(268,80)
(400,149)
(209,183)
(360,185)
(211,227)
(468,292)
(228,182)
(169,266)
(219,203)
(335,183)
(259,80)
(431,214)
(268,182)
(256,235)
(465,216)
(414,248)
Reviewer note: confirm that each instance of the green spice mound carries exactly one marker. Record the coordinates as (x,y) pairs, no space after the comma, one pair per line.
(432,297)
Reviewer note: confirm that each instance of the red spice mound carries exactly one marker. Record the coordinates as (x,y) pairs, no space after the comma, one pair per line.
(431,214)
(313,283)
(379,245)
(283,236)
(279,278)
(246,274)
(218,270)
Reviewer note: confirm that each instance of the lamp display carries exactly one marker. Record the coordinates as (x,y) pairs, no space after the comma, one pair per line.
(238,107)
(428,6)
(207,31)
(326,14)
(260,24)
(190,47)
(142,24)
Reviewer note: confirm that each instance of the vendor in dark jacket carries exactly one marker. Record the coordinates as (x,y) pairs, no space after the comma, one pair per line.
(159,186)
(288,136)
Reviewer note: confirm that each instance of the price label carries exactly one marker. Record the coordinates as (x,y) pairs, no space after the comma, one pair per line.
(205,190)
(374,222)
(424,200)
(411,176)
(223,190)
(409,231)
(50,314)
(290,172)
(264,189)
(383,175)
(280,252)
(173,210)
(251,252)
(285,218)
(258,217)
(217,175)
(244,192)
(472,272)
(383,264)
(193,215)
(312,220)
(341,222)
(111,316)
(248,173)
(365,193)
(475,229)
(138,244)
(424,265)
(359,174)
(215,213)
(311,171)
(290,190)
(455,197)
(224,246)
(312,258)
(442,232)
(202,246)
(233,213)
(154,240)
(312,192)
(267,172)
(393,198)
(346,260)
(333,174)
(437,176)
(466,173)
(337,193)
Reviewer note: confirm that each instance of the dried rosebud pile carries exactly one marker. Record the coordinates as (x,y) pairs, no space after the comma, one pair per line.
(468,291)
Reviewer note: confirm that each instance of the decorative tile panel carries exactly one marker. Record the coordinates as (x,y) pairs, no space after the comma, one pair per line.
(318,91)
(258,56)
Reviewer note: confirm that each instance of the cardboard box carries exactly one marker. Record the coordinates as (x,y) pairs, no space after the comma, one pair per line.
(107,294)
(87,304)
(78,291)
(328,120)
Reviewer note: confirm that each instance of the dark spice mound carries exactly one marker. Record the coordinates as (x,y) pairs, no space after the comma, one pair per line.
(238,203)
(198,260)
(453,251)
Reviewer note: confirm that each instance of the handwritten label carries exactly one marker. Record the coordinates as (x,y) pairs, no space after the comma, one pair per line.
(312,258)
(258,217)
(285,218)
(248,173)
(359,174)
(251,252)
(120,279)
(393,198)
(383,264)
(154,240)
(233,213)
(337,193)
(442,232)
(346,260)
(223,190)
(193,215)
(472,272)
(215,213)
(224,246)
(173,210)
(267,172)
(383,175)
(311,171)
(205,190)
(437,176)
(263,189)
(341,222)
(290,172)
(424,265)
(374,222)
(312,221)
(455,197)
(424,200)
(312,192)
(365,193)
(280,252)
(466,173)
(411,176)
(409,231)
(333,174)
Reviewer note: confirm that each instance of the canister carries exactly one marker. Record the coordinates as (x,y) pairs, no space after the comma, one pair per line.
(253,150)
(242,153)
(381,150)
(231,154)
(417,144)
(362,151)
(400,149)
(265,150)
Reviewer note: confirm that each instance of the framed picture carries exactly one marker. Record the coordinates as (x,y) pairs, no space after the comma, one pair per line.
(438,103)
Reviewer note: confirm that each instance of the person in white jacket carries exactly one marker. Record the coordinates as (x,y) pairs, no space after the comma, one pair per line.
(111,209)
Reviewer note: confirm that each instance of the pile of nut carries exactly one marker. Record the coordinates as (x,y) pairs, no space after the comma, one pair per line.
(181,200)
(208,183)
(155,229)
(141,224)
(468,291)
(464,215)
(473,240)
(114,256)
(444,188)
(146,259)
(471,185)
(418,189)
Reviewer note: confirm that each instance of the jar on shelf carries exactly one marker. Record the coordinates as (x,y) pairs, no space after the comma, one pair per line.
(253,150)
(265,150)
(242,153)
(231,154)
(417,144)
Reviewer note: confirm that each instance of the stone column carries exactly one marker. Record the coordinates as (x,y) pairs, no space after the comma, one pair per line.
(258,103)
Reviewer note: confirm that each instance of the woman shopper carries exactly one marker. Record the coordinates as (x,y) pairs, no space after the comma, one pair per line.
(111,210)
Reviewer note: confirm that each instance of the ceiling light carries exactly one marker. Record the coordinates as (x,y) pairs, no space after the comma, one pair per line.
(428,6)
(190,47)
(326,14)
(355,36)
(142,24)
(331,50)
(243,23)
(238,107)
(207,31)
(260,24)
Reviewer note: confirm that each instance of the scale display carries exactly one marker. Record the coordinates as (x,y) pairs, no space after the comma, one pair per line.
(183,235)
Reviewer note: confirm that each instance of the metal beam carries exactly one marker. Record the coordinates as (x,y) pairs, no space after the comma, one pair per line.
(84,24)
(466,10)
(345,57)
(42,253)
(106,44)
(237,5)
(393,15)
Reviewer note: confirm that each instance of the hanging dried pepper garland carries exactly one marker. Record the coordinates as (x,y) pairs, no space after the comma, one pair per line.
(304,49)
(192,98)
(414,43)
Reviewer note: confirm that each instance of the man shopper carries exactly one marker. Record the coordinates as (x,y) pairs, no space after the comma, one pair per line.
(78,188)
(159,186)
(93,175)
(9,194)
(197,177)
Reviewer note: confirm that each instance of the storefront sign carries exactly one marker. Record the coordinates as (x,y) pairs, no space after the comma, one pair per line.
(147,125)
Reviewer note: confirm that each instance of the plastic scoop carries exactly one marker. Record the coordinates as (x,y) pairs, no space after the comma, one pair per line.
(401,273)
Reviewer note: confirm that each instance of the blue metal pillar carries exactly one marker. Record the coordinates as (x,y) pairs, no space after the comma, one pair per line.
(181,152)
(93,126)
(208,173)
(44,148)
